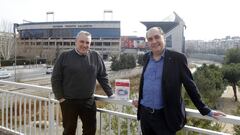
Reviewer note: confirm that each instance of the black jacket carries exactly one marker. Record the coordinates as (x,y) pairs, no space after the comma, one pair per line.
(175,73)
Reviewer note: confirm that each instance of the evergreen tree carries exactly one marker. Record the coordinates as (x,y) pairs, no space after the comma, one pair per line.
(231,73)
(125,61)
(209,80)
(210,84)
(232,56)
(140,59)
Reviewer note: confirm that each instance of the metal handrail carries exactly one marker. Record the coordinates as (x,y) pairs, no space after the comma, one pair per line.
(190,112)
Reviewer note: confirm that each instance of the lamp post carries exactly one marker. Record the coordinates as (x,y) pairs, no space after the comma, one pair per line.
(37,57)
(15,25)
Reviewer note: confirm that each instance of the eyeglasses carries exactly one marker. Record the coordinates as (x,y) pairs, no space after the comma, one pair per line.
(156,37)
(82,41)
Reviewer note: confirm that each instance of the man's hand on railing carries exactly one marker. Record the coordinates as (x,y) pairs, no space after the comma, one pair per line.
(61,100)
(113,96)
(216,114)
(135,103)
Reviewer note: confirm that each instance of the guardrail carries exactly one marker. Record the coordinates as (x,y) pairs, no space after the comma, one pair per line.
(29,114)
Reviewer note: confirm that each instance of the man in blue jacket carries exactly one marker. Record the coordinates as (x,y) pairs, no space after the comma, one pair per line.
(161,109)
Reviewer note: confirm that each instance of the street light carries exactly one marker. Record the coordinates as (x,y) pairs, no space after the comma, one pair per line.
(37,57)
(15,25)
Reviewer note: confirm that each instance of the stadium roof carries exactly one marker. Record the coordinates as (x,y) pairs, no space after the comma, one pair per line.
(67,22)
(166,26)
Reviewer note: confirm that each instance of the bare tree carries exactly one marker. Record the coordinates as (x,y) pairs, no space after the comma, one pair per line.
(50,55)
(6,39)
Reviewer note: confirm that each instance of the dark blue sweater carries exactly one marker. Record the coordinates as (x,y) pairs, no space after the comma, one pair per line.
(74,76)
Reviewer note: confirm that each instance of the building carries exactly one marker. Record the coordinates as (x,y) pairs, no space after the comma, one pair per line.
(48,39)
(174,32)
(213,50)
(133,45)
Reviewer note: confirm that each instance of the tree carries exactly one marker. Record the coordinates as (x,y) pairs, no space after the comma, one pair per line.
(231,73)
(6,40)
(130,61)
(115,63)
(232,56)
(209,80)
(124,62)
(140,59)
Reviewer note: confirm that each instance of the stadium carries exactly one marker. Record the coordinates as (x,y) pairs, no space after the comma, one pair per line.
(49,39)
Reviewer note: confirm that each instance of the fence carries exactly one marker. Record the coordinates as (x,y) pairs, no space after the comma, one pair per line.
(32,115)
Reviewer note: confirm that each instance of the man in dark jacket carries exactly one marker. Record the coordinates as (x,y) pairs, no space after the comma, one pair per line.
(73,83)
(161,109)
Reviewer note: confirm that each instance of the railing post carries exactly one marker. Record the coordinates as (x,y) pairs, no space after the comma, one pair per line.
(128,127)
(100,123)
(139,128)
(51,114)
(110,124)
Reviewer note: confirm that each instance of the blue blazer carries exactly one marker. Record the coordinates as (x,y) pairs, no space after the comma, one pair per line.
(175,74)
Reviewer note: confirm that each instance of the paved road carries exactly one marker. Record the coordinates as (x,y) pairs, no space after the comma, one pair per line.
(26,73)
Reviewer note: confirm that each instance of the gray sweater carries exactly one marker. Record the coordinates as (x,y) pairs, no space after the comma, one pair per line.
(74,76)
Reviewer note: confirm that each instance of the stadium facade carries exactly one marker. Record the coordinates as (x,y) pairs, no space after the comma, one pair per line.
(48,39)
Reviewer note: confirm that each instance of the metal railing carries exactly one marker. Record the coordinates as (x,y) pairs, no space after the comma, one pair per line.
(32,115)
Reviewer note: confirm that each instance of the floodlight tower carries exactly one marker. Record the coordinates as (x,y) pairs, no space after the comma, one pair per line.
(49,13)
(107,13)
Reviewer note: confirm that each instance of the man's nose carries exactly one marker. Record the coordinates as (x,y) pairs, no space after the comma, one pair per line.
(154,40)
(86,45)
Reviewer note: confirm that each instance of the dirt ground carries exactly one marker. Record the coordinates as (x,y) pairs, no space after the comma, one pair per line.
(228,105)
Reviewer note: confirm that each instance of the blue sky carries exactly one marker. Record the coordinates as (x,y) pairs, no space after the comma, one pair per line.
(205,19)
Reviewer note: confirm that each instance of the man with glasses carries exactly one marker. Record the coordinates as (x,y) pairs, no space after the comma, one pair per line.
(161,109)
(73,83)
